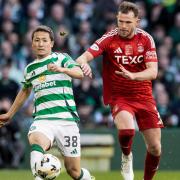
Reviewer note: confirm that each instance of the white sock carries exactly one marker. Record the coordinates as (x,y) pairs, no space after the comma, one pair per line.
(86,174)
(38,178)
(35,156)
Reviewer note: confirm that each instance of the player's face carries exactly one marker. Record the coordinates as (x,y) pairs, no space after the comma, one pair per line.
(127,24)
(42,44)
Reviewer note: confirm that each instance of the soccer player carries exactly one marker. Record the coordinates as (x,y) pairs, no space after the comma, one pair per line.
(129,65)
(55,115)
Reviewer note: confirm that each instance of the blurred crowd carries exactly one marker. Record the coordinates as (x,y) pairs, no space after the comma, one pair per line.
(77,23)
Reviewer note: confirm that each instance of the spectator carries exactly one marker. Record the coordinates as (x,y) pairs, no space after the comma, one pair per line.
(175,30)
(87,97)
(84,21)
(11,145)
(9,88)
(57,17)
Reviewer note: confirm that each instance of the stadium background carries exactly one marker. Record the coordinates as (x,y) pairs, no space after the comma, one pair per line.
(83,21)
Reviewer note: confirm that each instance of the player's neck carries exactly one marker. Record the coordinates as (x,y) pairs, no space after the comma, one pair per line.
(131,36)
(41,57)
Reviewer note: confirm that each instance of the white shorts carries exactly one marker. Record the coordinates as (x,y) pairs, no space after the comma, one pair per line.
(64,133)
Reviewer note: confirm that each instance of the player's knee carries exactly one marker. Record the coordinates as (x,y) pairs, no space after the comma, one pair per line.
(40,139)
(155,149)
(125,136)
(73,172)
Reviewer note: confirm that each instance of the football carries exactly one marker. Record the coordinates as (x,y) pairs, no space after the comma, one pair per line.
(49,167)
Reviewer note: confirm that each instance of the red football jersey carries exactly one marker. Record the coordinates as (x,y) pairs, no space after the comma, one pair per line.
(132,54)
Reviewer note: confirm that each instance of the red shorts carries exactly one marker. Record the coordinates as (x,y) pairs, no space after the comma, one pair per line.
(145,113)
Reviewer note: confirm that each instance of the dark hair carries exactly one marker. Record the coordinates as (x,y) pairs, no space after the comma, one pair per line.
(45,29)
(126,6)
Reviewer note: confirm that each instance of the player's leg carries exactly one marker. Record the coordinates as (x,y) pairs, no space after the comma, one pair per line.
(125,125)
(72,165)
(149,123)
(152,139)
(68,140)
(126,130)
(39,144)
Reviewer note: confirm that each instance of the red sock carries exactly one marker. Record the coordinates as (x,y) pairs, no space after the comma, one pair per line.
(125,139)
(151,166)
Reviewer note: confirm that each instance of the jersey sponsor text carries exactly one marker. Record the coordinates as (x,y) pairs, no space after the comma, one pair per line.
(129,59)
(44,85)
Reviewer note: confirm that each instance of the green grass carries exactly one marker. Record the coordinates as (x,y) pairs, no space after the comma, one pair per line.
(114,175)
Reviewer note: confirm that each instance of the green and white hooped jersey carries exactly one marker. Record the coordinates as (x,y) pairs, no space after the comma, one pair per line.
(53,94)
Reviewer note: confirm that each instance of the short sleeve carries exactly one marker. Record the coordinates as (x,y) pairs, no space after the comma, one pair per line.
(68,62)
(97,47)
(150,53)
(26,83)
(101,44)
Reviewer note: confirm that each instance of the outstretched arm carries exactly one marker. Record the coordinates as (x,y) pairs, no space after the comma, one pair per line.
(83,60)
(19,101)
(149,73)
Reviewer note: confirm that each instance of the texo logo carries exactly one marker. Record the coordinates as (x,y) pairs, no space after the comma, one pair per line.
(129,59)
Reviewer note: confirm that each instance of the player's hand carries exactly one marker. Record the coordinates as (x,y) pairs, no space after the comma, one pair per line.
(86,69)
(4,118)
(125,73)
(55,68)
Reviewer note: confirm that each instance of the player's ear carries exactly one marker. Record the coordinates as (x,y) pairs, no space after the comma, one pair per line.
(117,16)
(52,44)
(137,22)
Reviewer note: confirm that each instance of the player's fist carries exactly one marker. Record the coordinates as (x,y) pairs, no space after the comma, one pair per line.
(86,69)
(4,118)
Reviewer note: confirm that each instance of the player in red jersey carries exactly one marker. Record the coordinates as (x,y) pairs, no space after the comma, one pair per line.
(129,65)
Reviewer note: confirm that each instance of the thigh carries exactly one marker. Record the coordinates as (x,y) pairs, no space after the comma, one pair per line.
(40,132)
(124,120)
(152,137)
(68,139)
(147,116)
(123,116)
(40,139)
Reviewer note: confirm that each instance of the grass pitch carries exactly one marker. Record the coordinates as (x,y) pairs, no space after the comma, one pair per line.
(113,175)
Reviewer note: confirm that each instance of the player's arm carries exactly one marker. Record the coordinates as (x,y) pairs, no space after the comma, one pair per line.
(67,66)
(83,60)
(19,101)
(74,72)
(149,73)
(86,57)
(150,58)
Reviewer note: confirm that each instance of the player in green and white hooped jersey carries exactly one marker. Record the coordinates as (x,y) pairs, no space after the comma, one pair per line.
(55,115)
(53,92)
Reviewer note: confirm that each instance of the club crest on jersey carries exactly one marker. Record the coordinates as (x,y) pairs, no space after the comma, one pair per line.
(128,50)
(94,47)
(140,48)
(42,78)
